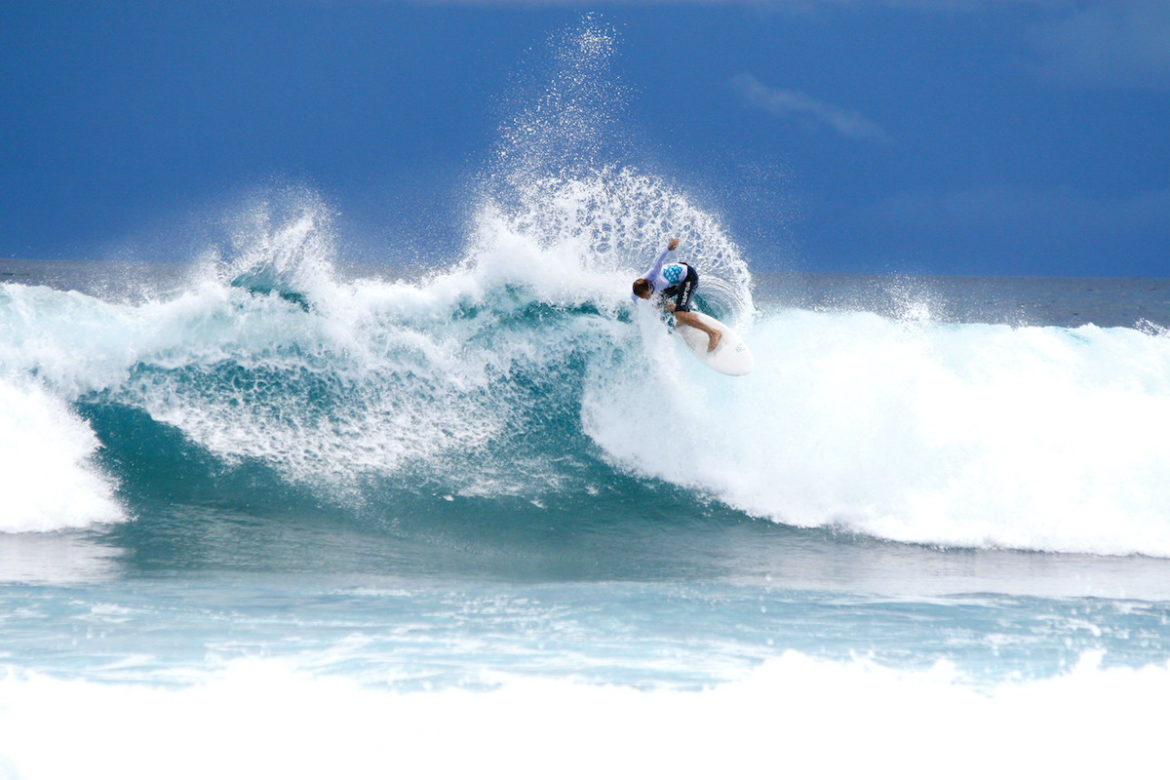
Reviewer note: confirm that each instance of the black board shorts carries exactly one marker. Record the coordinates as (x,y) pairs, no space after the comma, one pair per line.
(685,291)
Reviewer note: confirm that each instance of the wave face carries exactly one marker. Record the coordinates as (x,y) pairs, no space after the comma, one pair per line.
(521,374)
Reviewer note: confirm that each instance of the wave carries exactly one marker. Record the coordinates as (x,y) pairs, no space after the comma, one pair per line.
(521,371)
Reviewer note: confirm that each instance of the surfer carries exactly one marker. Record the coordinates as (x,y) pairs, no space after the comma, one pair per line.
(680,280)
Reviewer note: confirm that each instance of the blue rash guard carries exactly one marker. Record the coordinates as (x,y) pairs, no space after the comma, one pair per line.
(667,279)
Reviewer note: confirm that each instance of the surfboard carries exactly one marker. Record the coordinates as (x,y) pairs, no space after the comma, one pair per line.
(731,357)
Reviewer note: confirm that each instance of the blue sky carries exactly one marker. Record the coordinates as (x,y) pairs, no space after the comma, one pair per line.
(968,137)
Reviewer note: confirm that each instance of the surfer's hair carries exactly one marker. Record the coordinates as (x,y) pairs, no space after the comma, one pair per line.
(642,288)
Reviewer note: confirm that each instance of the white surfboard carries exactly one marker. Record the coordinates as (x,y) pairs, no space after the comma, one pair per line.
(731,357)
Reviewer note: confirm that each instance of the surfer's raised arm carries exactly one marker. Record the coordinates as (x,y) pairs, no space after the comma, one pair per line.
(648,287)
(673,245)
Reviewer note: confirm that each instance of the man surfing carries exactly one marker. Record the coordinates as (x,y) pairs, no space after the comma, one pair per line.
(680,280)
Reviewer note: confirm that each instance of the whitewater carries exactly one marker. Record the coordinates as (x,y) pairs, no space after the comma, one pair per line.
(266,510)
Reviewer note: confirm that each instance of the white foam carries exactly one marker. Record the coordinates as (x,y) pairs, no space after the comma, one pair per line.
(973,435)
(48,480)
(796,715)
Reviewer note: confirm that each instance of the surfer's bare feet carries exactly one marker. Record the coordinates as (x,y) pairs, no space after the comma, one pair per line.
(713,340)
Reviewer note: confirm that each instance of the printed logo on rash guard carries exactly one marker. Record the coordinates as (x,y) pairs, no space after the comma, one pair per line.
(672,273)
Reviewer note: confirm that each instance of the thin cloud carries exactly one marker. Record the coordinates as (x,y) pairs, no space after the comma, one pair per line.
(796,6)
(1109,45)
(1052,211)
(812,113)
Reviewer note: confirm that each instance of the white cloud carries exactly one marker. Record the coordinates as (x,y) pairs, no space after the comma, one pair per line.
(812,113)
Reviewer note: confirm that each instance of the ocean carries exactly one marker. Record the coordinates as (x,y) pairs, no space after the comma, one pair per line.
(265,513)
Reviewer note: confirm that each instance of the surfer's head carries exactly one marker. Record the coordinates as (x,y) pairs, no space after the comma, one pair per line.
(642,288)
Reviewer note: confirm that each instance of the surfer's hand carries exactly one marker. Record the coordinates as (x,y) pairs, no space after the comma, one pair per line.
(669,305)
(673,245)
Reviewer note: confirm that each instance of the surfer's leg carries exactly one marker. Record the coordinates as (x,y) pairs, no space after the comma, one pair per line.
(682,310)
(713,334)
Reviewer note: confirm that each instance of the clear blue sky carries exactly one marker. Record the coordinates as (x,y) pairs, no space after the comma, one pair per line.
(961,136)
